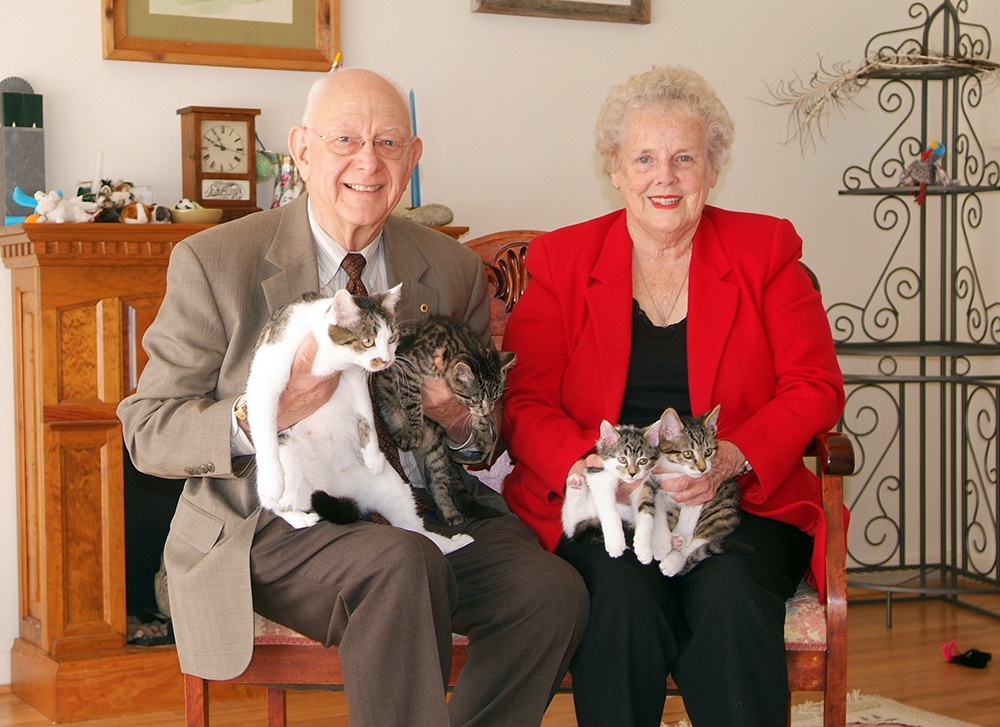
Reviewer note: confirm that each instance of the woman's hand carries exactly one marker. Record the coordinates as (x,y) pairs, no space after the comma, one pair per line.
(686,490)
(305,392)
(577,473)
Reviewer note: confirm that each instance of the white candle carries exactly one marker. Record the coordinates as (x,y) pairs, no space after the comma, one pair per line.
(95,185)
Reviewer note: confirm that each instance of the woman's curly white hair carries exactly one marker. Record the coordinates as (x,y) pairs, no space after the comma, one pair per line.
(670,87)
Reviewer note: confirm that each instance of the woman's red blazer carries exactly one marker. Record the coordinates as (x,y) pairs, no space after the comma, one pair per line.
(758,343)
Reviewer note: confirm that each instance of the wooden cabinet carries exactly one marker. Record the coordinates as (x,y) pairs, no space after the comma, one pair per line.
(82,297)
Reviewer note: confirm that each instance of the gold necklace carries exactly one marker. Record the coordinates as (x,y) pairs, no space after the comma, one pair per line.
(652,298)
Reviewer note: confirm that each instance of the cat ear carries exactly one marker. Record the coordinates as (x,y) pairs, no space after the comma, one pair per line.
(392,298)
(343,311)
(711,419)
(652,434)
(507,359)
(462,372)
(671,425)
(609,435)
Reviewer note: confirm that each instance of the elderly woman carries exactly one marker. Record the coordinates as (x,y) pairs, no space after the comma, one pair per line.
(670,302)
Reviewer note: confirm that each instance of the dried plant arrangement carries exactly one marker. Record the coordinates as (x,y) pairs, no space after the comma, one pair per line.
(834,88)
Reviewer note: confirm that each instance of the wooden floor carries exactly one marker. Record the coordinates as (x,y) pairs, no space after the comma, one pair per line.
(903,663)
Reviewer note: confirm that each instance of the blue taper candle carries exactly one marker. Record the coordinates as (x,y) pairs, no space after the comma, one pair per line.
(415,176)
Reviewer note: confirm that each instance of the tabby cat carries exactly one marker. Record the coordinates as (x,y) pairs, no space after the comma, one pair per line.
(590,512)
(332,453)
(433,347)
(681,536)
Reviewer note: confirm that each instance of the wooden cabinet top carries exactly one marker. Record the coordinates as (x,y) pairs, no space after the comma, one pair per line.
(39,244)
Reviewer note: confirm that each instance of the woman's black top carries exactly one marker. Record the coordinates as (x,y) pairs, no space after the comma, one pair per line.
(657,371)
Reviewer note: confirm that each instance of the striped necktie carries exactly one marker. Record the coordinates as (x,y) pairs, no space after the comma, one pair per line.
(353,264)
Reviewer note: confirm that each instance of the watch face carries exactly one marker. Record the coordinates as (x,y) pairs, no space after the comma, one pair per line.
(224,147)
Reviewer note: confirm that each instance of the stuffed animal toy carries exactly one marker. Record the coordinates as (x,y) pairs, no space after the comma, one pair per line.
(142,213)
(112,198)
(51,207)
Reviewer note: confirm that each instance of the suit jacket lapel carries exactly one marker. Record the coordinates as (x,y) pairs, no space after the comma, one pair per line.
(406,264)
(712,305)
(293,251)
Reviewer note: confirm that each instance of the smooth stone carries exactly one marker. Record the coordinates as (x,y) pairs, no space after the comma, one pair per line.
(432,215)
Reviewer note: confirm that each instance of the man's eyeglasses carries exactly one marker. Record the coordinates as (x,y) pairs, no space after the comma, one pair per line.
(386,147)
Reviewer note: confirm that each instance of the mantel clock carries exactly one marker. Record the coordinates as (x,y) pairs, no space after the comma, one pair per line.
(218,158)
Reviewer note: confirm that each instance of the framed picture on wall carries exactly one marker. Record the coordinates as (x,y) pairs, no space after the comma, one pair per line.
(616,11)
(299,35)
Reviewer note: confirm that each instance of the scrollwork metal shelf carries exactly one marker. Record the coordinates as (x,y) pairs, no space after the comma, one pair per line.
(921,355)
(932,191)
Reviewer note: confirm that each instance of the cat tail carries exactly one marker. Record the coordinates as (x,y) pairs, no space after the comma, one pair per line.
(588,532)
(339,510)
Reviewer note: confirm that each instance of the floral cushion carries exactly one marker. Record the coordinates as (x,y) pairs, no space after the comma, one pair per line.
(805,625)
(271,632)
(805,621)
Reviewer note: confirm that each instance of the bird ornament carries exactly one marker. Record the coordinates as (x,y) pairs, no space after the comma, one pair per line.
(926,170)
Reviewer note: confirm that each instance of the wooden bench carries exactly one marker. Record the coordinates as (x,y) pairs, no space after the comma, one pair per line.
(815,632)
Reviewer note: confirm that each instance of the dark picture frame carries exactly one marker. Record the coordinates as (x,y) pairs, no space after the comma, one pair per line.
(309,43)
(626,11)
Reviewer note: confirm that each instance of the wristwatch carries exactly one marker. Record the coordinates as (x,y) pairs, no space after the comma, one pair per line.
(240,407)
(746,469)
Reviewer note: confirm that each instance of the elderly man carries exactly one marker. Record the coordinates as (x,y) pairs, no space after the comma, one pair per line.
(386,596)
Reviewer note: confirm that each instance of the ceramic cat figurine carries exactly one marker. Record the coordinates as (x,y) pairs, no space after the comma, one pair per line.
(681,536)
(590,512)
(439,346)
(333,452)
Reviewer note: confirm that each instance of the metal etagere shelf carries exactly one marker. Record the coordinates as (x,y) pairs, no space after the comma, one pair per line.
(921,355)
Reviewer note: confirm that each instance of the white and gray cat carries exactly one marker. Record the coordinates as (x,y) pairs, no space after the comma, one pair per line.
(334,450)
(677,536)
(591,512)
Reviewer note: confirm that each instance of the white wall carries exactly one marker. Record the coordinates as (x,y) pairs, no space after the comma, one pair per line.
(506,107)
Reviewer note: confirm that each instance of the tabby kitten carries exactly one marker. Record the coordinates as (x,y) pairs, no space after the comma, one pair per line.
(333,453)
(681,536)
(433,347)
(590,512)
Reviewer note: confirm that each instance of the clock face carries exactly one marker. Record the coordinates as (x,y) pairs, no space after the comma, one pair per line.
(223,147)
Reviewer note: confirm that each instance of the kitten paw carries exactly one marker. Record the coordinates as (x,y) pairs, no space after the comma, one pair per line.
(672,564)
(576,481)
(450,545)
(453,519)
(614,546)
(299,519)
(408,440)
(643,554)
(270,489)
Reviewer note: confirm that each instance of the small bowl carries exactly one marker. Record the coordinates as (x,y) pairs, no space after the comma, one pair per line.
(197,216)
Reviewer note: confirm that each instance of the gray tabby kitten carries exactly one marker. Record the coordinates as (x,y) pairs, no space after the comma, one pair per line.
(681,536)
(591,512)
(333,453)
(434,347)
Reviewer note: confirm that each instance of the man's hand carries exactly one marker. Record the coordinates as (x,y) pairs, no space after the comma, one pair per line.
(304,393)
(440,405)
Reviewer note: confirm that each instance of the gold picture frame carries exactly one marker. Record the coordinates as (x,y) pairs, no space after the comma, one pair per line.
(625,11)
(309,43)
